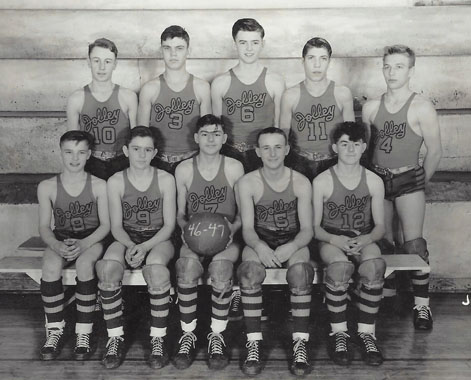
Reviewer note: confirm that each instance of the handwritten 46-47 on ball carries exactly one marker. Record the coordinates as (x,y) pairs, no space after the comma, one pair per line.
(207,233)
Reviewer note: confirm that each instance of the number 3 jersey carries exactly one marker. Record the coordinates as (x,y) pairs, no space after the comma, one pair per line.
(216,196)
(276,214)
(395,143)
(142,210)
(348,210)
(106,121)
(75,214)
(314,119)
(175,114)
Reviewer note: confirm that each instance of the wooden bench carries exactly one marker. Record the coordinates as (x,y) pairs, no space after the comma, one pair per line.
(29,256)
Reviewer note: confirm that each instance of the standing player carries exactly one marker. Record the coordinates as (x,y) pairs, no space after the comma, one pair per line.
(248,95)
(400,122)
(206,183)
(142,210)
(277,227)
(348,220)
(104,109)
(79,204)
(312,109)
(173,102)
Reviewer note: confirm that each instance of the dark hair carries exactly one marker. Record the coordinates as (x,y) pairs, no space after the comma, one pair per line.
(400,49)
(317,42)
(175,31)
(209,119)
(140,131)
(77,136)
(354,130)
(271,130)
(103,43)
(247,25)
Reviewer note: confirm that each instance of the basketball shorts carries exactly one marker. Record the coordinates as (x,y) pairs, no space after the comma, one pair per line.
(139,237)
(62,235)
(104,169)
(275,238)
(397,185)
(309,168)
(248,158)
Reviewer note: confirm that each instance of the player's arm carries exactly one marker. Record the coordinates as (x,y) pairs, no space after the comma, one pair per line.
(344,98)
(128,99)
(203,94)
(276,86)
(115,191)
(288,101)
(148,92)
(428,122)
(183,177)
(234,171)
(368,113)
(219,87)
(74,106)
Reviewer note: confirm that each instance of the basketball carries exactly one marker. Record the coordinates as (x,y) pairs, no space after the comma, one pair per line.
(206,233)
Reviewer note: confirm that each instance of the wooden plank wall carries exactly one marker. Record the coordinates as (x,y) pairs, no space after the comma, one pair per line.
(43,46)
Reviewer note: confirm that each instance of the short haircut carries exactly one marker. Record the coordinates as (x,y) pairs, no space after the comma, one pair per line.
(140,131)
(271,130)
(354,130)
(400,49)
(247,25)
(175,31)
(77,136)
(209,119)
(103,43)
(317,42)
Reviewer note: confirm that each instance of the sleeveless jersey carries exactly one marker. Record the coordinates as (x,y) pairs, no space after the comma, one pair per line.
(75,214)
(395,143)
(175,115)
(142,210)
(106,121)
(216,196)
(277,211)
(247,108)
(314,119)
(348,209)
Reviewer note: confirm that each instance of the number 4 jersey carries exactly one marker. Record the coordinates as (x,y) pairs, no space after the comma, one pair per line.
(106,121)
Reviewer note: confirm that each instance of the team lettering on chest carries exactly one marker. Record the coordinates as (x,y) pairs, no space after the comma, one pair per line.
(76,210)
(102,116)
(142,209)
(209,200)
(279,207)
(176,107)
(247,103)
(392,130)
(351,203)
(318,117)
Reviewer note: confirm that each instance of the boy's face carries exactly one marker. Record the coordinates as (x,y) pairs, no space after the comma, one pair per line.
(249,45)
(316,62)
(349,152)
(140,152)
(102,63)
(210,138)
(74,155)
(396,70)
(272,150)
(175,52)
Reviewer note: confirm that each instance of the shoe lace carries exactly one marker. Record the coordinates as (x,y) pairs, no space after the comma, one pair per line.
(113,345)
(83,340)
(235,300)
(157,346)
(216,343)
(53,337)
(187,342)
(340,341)
(299,351)
(369,341)
(424,312)
(252,354)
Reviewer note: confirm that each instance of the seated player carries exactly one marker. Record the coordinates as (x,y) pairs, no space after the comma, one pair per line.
(79,204)
(142,210)
(104,109)
(277,227)
(348,220)
(205,183)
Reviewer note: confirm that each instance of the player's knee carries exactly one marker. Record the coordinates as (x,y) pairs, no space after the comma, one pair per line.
(85,266)
(299,277)
(418,247)
(337,275)
(157,277)
(371,273)
(189,270)
(221,272)
(251,275)
(110,274)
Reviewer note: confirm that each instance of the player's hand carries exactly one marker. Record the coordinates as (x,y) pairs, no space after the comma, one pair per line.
(135,255)
(344,243)
(359,243)
(231,236)
(285,251)
(267,256)
(62,249)
(79,246)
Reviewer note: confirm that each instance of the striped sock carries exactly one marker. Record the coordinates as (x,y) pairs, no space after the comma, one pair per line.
(370,300)
(252,304)
(159,308)
(389,288)
(336,301)
(111,302)
(301,309)
(85,293)
(187,302)
(52,295)
(420,281)
(220,304)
